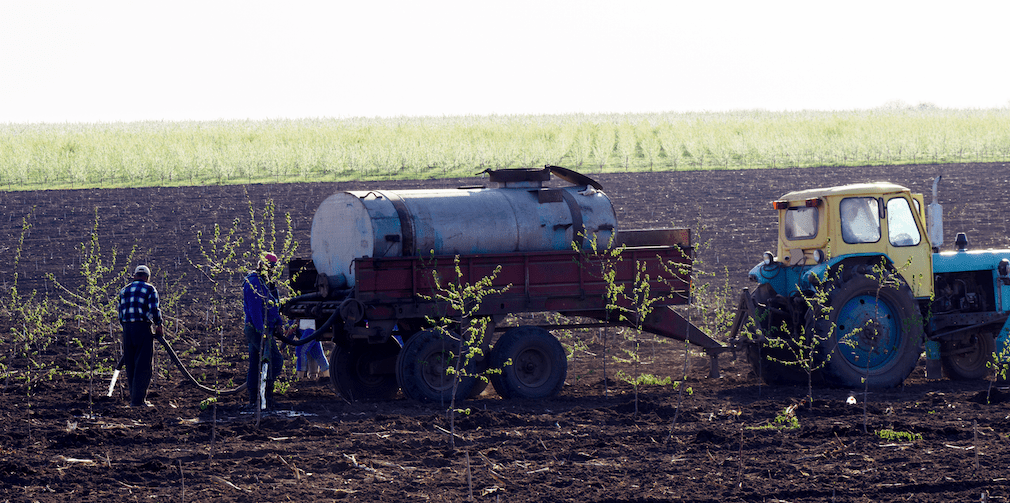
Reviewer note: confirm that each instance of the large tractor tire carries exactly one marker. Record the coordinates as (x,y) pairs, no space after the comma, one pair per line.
(533,364)
(871,331)
(365,372)
(765,360)
(968,358)
(423,364)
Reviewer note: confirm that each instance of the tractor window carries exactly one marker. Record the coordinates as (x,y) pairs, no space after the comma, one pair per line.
(901,228)
(860,223)
(801,223)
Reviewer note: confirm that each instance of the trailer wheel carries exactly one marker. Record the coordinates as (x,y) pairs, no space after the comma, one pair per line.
(876,333)
(365,372)
(968,358)
(538,364)
(479,385)
(421,368)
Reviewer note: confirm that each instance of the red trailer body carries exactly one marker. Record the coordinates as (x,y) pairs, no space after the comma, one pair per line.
(394,299)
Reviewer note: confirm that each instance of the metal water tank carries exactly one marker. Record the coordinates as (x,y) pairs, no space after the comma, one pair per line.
(520,214)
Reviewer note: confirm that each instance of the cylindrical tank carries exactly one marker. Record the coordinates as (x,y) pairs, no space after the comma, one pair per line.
(519,215)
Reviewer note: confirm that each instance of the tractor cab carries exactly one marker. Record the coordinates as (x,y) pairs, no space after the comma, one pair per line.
(871,223)
(858,272)
(842,295)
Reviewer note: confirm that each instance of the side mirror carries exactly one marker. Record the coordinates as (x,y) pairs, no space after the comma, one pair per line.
(961,242)
(1003,271)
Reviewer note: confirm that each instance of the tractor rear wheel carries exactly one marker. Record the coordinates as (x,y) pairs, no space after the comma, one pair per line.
(365,372)
(873,331)
(968,358)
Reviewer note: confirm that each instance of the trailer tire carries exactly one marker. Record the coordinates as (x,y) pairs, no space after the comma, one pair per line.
(421,368)
(538,365)
(875,333)
(968,358)
(479,384)
(363,372)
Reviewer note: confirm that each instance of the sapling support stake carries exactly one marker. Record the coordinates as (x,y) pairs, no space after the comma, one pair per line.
(182,482)
(739,455)
(469,477)
(974,441)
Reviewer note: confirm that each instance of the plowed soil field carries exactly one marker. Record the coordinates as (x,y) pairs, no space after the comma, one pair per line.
(62,439)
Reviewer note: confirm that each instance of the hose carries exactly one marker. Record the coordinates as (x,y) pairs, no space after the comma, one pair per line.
(305,296)
(211,391)
(315,335)
(189,377)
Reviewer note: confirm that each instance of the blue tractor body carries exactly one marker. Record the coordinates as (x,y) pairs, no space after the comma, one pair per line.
(859,288)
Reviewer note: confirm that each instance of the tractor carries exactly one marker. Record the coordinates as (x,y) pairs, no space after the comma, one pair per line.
(860,281)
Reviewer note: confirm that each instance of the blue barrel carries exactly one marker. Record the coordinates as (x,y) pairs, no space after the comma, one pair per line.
(519,215)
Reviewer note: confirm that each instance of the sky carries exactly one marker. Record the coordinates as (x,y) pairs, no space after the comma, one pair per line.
(181,60)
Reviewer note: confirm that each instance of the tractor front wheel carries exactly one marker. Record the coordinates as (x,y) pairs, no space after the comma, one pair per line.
(968,358)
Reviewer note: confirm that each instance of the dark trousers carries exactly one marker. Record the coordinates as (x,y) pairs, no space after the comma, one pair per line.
(138,355)
(255,338)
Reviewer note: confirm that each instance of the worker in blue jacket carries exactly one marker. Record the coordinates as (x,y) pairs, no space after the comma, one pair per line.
(262,321)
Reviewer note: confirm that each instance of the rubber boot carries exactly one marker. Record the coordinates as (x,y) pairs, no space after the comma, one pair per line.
(271,403)
(933,367)
(253,395)
(934,370)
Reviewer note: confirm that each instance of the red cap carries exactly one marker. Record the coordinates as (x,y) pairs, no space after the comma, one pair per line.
(270,257)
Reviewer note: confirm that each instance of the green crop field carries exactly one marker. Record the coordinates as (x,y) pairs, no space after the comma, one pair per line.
(41,156)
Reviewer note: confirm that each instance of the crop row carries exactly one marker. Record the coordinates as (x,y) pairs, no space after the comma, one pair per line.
(36,156)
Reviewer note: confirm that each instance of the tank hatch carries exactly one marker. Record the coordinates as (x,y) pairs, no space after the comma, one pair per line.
(520,177)
(535,177)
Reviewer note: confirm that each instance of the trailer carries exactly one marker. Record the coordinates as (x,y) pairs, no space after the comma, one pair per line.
(382,261)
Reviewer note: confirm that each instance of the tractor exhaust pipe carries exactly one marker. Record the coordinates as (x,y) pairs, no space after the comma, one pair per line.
(934,219)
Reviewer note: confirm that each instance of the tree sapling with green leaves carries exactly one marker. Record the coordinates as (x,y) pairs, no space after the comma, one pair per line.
(462,303)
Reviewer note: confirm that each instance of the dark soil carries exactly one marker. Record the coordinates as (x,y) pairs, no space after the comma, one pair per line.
(705,440)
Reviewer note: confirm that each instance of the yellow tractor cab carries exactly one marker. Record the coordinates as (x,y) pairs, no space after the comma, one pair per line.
(871,223)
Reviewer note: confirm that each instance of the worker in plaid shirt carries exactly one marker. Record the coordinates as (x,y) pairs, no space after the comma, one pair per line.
(138,310)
